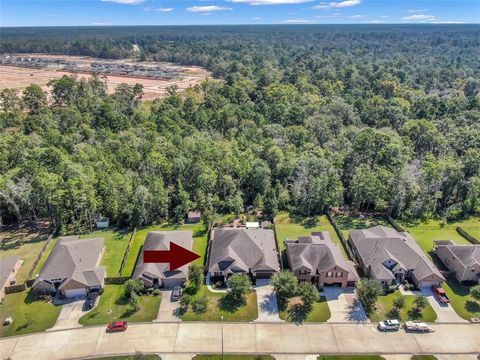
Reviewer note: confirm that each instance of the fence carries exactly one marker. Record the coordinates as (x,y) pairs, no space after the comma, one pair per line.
(280,255)
(117,280)
(127,251)
(467,235)
(395,225)
(15,288)
(340,235)
(39,256)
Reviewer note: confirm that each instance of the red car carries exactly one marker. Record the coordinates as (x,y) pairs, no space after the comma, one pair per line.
(117,326)
(441,295)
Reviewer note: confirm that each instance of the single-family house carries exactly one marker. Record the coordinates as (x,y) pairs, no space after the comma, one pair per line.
(242,251)
(72,268)
(390,257)
(194,216)
(462,260)
(159,274)
(317,260)
(8,271)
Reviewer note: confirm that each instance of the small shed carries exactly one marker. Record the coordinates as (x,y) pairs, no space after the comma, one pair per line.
(103,223)
(194,216)
(252,225)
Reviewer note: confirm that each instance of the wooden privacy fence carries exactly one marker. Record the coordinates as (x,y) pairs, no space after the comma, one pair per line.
(127,251)
(39,256)
(395,225)
(15,288)
(340,235)
(467,235)
(117,280)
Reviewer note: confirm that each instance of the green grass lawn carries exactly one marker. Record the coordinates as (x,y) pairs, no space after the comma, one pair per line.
(385,304)
(350,357)
(423,357)
(232,357)
(291,227)
(347,222)
(200,237)
(217,308)
(319,313)
(460,299)
(24,244)
(29,315)
(112,308)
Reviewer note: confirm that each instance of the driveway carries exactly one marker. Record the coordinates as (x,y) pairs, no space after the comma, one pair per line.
(344,305)
(70,314)
(169,310)
(445,312)
(266,302)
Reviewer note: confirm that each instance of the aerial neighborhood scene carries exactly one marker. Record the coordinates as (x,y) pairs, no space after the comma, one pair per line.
(240,180)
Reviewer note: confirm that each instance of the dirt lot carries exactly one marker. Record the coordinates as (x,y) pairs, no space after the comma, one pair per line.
(19,78)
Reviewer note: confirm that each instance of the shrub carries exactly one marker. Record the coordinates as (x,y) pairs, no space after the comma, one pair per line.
(156,292)
(475,293)
(100,292)
(200,305)
(185,300)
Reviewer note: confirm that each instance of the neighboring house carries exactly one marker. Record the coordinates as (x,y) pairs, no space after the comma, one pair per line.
(103,223)
(194,216)
(390,257)
(242,251)
(317,260)
(72,268)
(8,270)
(462,260)
(158,274)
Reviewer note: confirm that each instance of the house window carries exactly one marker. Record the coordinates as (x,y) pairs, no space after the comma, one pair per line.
(338,274)
(329,274)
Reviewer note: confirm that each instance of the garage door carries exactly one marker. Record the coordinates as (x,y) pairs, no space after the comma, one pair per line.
(428,284)
(169,283)
(75,292)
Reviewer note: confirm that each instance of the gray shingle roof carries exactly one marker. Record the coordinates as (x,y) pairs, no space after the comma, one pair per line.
(379,244)
(160,240)
(318,253)
(6,266)
(242,250)
(74,259)
(468,255)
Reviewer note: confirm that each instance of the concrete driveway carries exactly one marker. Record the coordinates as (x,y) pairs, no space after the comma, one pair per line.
(169,310)
(445,312)
(266,302)
(344,305)
(69,315)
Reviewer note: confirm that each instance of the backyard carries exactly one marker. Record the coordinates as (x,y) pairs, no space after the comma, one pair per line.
(294,311)
(112,307)
(291,227)
(347,222)
(219,306)
(200,237)
(384,308)
(29,314)
(24,243)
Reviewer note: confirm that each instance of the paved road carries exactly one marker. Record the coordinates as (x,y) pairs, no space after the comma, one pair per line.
(279,338)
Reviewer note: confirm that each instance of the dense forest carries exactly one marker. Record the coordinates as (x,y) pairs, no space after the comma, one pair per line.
(302,118)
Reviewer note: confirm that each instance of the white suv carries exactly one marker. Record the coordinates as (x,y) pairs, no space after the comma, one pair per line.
(389,325)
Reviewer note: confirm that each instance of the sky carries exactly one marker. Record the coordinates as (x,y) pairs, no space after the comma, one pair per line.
(214,12)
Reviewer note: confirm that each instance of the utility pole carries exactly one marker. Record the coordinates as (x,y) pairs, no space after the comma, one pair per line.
(222,337)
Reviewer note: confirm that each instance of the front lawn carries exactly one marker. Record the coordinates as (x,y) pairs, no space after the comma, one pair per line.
(112,307)
(232,357)
(460,299)
(385,305)
(218,307)
(292,227)
(26,245)
(200,237)
(350,357)
(294,312)
(29,314)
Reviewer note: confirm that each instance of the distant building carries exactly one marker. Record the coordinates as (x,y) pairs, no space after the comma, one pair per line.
(390,257)
(158,274)
(103,223)
(462,260)
(8,271)
(316,259)
(252,225)
(194,216)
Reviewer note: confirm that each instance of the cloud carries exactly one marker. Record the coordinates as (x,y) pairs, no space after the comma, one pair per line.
(417,11)
(164,9)
(447,22)
(207,8)
(125,2)
(100,24)
(356,16)
(419,17)
(270,2)
(375,22)
(296,21)
(257,18)
(337,4)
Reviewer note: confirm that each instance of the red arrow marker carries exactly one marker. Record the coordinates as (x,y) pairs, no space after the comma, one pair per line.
(177,256)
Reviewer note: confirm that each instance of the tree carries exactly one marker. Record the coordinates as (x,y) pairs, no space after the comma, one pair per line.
(284,283)
(34,98)
(475,292)
(308,293)
(185,300)
(239,286)
(133,301)
(133,287)
(195,276)
(399,303)
(200,304)
(420,303)
(368,290)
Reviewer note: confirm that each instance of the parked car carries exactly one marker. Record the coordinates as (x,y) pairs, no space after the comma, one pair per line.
(411,326)
(90,301)
(117,326)
(441,295)
(389,325)
(176,293)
